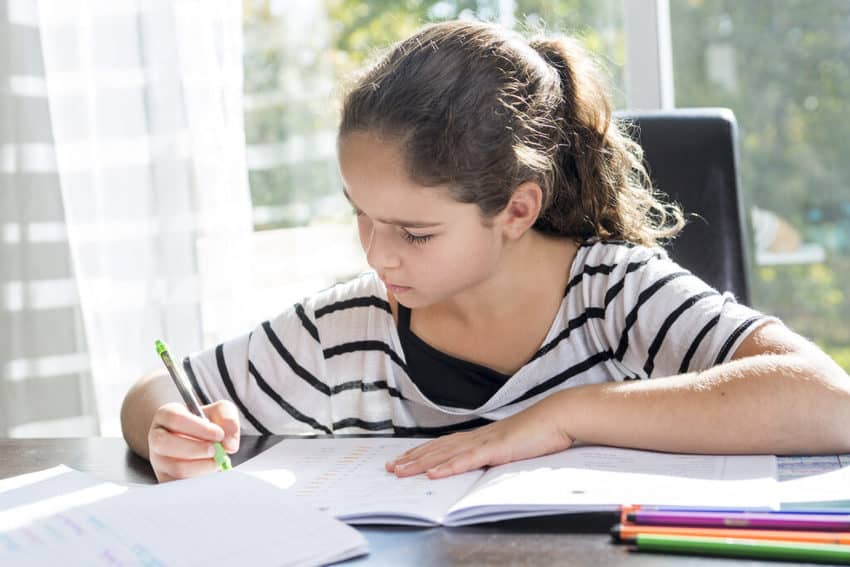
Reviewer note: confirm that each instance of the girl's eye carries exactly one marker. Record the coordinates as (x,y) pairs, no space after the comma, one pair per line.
(414,239)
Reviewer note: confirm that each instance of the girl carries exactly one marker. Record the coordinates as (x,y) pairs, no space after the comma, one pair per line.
(518,299)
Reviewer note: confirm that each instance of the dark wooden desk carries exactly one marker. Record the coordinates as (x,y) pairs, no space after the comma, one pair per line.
(554,540)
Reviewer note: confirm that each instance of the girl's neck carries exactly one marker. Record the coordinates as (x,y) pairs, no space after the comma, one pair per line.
(535,270)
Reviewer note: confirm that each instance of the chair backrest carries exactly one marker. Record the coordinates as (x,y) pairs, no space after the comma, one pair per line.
(692,155)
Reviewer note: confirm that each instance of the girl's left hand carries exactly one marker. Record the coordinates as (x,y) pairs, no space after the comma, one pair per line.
(527,434)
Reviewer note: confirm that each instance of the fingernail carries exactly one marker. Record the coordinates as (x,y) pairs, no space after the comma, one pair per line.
(211,451)
(231,444)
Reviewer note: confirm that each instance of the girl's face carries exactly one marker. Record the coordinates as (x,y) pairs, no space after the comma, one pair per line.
(424,245)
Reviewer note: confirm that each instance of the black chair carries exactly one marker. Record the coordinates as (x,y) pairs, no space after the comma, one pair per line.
(692,155)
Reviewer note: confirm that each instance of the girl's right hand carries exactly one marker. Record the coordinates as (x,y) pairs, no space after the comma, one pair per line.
(180,444)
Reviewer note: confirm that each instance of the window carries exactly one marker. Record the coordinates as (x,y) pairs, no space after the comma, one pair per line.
(783,69)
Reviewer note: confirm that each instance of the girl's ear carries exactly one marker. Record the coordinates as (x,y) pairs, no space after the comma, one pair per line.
(522,210)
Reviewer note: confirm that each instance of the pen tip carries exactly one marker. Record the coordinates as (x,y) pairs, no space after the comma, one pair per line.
(160,347)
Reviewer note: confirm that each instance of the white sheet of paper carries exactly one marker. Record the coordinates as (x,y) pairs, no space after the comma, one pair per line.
(817,480)
(64,517)
(346,478)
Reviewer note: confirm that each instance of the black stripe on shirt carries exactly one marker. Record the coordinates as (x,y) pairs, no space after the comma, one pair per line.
(595,240)
(643,298)
(589,271)
(572,325)
(362,424)
(566,375)
(686,362)
(615,289)
(440,430)
(299,370)
(606,269)
(284,405)
(400,430)
(359,346)
(593,312)
(367,387)
(187,366)
(306,322)
(721,356)
(665,327)
(367,301)
(228,384)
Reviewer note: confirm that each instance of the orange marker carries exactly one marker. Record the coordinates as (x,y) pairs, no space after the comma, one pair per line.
(627,509)
(627,533)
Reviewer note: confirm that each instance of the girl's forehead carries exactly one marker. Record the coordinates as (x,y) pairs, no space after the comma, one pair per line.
(363,154)
(374,171)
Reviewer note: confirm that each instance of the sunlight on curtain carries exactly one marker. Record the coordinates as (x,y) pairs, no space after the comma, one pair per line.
(46,373)
(137,138)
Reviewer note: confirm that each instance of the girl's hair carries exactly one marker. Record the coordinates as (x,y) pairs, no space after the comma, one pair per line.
(481,110)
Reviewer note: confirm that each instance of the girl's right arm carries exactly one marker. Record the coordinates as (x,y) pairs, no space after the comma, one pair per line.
(161,429)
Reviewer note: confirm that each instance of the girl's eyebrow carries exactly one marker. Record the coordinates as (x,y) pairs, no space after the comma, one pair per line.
(397,222)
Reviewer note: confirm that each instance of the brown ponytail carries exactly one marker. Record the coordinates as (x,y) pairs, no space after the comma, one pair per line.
(481,110)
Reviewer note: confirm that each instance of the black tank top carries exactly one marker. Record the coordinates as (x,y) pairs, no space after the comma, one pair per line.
(444,379)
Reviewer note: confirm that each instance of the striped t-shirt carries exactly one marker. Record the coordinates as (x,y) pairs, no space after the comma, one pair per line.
(333,362)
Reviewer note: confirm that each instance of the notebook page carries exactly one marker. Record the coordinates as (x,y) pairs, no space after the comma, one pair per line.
(595,478)
(346,477)
(42,485)
(219,519)
(819,480)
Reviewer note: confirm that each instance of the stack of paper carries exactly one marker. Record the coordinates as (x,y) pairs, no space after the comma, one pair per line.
(64,517)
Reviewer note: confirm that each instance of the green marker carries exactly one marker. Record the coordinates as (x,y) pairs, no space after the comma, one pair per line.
(221,458)
(754,548)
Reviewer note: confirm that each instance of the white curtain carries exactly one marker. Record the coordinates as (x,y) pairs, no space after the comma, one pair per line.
(125,208)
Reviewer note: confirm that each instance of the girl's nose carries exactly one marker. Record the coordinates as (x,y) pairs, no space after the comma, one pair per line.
(380,253)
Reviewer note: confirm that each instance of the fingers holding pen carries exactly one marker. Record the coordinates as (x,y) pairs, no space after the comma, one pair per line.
(169,444)
(167,468)
(181,444)
(225,414)
(176,418)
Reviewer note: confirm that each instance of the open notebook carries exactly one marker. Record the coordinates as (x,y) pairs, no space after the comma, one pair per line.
(346,477)
(60,516)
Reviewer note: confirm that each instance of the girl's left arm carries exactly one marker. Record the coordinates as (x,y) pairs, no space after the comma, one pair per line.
(778,394)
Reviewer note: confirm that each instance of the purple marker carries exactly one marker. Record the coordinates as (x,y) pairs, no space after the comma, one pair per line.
(758,520)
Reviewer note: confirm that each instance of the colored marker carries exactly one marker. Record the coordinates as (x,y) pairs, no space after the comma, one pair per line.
(760,520)
(734,547)
(783,510)
(628,533)
(221,458)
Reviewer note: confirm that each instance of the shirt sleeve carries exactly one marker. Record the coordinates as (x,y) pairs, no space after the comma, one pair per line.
(662,320)
(274,375)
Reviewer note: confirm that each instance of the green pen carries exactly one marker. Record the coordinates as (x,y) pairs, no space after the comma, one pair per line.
(753,548)
(221,458)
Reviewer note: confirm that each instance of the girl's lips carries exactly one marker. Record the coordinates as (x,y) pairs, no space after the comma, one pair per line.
(396,289)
